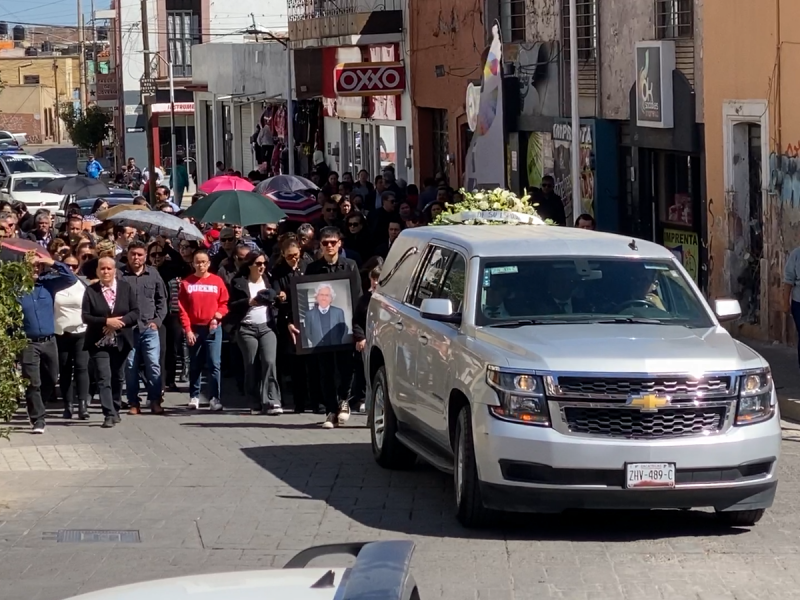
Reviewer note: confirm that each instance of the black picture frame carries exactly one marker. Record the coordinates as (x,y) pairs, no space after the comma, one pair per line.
(313,339)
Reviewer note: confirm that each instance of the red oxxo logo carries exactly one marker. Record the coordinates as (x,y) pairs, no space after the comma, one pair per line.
(370,79)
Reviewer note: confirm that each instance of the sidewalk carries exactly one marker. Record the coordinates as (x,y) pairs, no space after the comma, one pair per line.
(785,371)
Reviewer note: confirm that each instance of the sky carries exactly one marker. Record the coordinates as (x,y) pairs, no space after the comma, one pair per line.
(46,12)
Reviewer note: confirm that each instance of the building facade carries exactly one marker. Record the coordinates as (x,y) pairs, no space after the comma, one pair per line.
(752,128)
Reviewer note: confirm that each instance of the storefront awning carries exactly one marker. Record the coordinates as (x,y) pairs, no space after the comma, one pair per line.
(240,99)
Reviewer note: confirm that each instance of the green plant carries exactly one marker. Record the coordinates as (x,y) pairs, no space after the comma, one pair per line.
(489,207)
(87,130)
(16,279)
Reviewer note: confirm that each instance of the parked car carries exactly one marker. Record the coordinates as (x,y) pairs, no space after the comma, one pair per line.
(26,187)
(16,161)
(550,368)
(17,139)
(381,571)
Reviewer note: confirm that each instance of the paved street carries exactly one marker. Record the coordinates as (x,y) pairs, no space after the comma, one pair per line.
(215,492)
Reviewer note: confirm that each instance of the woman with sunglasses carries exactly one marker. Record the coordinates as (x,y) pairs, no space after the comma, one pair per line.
(290,266)
(251,322)
(357,236)
(73,359)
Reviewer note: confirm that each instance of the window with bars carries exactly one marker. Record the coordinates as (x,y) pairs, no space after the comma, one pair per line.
(674,19)
(183,32)
(512,20)
(586,13)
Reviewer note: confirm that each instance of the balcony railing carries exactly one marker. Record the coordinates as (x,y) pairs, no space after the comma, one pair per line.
(312,20)
(315,9)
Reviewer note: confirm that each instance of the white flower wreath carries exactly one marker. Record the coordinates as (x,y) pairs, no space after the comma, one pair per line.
(490,207)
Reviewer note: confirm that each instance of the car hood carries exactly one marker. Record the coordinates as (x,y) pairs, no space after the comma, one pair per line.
(37,198)
(625,348)
(277,584)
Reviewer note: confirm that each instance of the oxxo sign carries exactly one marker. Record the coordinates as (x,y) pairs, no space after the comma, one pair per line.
(370,79)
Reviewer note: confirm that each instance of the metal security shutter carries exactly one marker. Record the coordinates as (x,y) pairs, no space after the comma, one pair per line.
(684,57)
(248,161)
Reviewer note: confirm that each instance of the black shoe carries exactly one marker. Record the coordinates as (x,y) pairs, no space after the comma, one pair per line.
(108,423)
(83,410)
(117,419)
(67,414)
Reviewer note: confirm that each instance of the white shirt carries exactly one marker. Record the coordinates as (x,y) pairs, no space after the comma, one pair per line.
(67,308)
(323,311)
(257,315)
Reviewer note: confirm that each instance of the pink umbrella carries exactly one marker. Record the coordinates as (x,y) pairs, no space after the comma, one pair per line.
(224,183)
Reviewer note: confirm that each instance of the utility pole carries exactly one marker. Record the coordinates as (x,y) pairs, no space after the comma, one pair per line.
(94,48)
(148,126)
(81,57)
(576,117)
(57,116)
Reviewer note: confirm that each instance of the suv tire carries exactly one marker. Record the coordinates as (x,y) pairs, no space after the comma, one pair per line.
(386,448)
(470,510)
(741,518)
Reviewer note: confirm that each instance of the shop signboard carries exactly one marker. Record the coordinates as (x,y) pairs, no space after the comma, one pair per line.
(180,108)
(655,62)
(369,79)
(685,245)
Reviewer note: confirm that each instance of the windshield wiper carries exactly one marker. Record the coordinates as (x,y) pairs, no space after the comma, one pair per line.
(634,320)
(527,322)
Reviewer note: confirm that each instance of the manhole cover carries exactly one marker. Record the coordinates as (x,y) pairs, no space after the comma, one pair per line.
(98,535)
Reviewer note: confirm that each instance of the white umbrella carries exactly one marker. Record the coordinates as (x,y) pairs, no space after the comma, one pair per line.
(158,223)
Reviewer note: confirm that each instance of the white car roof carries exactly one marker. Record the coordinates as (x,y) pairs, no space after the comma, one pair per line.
(535,240)
(36,175)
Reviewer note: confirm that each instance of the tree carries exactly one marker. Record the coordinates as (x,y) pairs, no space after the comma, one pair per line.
(87,130)
(16,279)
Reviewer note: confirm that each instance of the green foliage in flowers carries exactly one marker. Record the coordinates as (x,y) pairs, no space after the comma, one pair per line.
(490,202)
(16,279)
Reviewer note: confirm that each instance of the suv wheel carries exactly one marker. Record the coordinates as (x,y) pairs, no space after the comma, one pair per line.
(386,448)
(741,518)
(470,510)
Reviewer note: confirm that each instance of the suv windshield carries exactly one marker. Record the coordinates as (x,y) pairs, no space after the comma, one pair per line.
(586,290)
(28,164)
(29,184)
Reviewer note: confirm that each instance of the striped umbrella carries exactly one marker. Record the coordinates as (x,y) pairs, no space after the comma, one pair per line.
(297,206)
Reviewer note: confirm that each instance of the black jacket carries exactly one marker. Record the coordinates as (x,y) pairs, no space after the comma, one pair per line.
(360,317)
(239,302)
(323,267)
(378,222)
(95,311)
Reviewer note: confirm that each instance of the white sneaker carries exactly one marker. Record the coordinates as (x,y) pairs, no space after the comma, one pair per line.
(38,428)
(194,403)
(215,405)
(344,412)
(330,422)
(362,408)
(275,411)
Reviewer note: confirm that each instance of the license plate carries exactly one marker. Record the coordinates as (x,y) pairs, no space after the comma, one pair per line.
(650,475)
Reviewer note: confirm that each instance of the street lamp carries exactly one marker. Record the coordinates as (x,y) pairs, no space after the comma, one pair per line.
(173,138)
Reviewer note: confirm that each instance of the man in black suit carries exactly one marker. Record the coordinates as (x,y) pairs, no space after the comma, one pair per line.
(325,324)
(110,312)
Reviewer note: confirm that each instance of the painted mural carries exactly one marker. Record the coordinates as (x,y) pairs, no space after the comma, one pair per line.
(562,167)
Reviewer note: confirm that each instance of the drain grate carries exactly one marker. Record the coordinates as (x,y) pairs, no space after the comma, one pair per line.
(130,536)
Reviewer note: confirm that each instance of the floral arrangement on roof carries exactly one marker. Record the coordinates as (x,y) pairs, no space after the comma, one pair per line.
(490,207)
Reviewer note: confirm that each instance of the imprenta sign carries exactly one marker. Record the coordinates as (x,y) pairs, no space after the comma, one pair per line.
(370,79)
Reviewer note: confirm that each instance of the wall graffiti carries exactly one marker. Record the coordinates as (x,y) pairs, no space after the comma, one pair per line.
(784,172)
(562,167)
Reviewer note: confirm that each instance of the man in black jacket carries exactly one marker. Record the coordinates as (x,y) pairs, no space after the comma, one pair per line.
(379,219)
(358,390)
(335,368)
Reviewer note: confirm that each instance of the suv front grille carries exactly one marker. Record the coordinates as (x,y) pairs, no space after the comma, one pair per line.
(634,424)
(624,387)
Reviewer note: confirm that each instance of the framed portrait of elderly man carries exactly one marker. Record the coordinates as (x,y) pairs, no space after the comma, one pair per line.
(323,309)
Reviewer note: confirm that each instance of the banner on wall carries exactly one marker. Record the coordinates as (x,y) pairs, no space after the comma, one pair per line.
(562,167)
(485,163)
(685,245)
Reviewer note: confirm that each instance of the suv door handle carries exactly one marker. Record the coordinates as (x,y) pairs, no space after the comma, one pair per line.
(398,325)
(423,339)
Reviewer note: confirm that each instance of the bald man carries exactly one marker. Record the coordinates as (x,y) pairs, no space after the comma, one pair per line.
(110,313)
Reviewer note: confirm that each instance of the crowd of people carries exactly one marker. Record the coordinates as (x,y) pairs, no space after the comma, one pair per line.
(112,305)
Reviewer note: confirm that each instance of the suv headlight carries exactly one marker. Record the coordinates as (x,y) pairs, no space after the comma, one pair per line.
(521,397)
(756,403)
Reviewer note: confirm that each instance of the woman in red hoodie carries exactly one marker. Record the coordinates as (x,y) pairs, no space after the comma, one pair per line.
(203,301)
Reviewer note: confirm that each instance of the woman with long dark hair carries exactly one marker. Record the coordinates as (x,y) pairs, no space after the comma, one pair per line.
(251,321)
(290,266)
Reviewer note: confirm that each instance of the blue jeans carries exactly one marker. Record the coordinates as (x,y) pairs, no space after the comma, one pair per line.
(207,351)
(147,350)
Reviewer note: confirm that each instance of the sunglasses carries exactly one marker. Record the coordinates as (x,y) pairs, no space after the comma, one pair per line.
(354,224)
(156,255)
(329,243)
(260,263)
(74,267)
(292,256)
(85,257)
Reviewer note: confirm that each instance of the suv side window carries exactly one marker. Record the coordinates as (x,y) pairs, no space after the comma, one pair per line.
(455,281)
(433,271)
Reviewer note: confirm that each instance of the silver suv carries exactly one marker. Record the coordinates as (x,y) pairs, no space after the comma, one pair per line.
(549,368)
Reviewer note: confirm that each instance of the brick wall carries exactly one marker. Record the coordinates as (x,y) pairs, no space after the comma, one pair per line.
(22,123)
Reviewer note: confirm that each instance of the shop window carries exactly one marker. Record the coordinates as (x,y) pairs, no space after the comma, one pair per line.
(183,32)
(674,19)
(586,13)
(512,20)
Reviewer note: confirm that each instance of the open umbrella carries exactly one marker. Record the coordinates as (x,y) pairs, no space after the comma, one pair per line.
(236,208)
(226,182)
(157,222)
(78,186)
(297,206)
(106,214)
(18,247)
(286,183)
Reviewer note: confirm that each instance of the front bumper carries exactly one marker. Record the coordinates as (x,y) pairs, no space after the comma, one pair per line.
(524,468)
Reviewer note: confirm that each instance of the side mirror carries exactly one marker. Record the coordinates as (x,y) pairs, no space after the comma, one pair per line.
(3,190)
(727,309)
(439,309)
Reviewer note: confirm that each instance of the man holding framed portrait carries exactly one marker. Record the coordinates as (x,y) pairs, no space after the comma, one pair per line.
(324,299)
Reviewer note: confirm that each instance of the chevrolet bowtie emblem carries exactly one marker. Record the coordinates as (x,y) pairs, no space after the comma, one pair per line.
(649,402)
